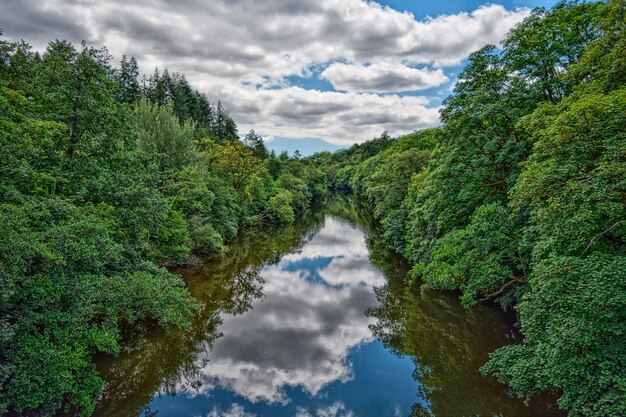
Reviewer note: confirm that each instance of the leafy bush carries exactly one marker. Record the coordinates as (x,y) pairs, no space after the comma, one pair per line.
(279,208)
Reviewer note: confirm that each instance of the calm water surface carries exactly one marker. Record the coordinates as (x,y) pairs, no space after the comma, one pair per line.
(314,320)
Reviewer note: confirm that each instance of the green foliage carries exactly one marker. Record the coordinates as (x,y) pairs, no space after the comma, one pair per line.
(127,79)
(562,35)
(163,138)
(573,321)
(523,200)
(65,287)
(476,161)
(101,182)
(238,164)
(172,90)
(603,63)
(573,185)
(478,259)
(279,208)
(206,239)
(256,143)
(572,189)
(172,239)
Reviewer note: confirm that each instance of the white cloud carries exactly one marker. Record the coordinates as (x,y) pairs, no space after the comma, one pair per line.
(235,410)
(221,45)
(339,118)
(337,409)
(352,271)
(382,77)
(302,412)
(337,238)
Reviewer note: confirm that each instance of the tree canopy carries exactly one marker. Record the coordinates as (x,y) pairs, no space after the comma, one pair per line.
(104,180)
(520,199)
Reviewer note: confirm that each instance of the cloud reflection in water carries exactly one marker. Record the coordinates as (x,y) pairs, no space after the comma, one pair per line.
(301,331)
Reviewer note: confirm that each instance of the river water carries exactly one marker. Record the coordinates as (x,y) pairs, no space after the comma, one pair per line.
(314,319)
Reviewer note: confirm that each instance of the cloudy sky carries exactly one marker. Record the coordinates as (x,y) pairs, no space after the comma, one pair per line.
(305,74)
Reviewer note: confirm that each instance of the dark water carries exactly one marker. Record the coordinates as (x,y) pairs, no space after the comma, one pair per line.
(316,320)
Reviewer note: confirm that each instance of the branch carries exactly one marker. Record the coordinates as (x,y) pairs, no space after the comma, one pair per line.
(598,235)
(501,290)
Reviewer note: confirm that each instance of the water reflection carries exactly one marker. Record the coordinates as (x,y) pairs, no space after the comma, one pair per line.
(282,331)
(167,362)
(300,332)
(447,345)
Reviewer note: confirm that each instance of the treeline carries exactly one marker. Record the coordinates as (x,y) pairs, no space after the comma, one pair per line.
(520,199)
(104,179)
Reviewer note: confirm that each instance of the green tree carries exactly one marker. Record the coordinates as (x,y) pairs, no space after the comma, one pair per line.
(573,322)
(279,208)
(75,206)
(572,189)
(162,137)
(481,259)
(127,78)
(477,159)
(255,142)
(237,163)
(225,127)
(548,42)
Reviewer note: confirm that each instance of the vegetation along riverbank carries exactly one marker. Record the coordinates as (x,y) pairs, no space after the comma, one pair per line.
(518,199)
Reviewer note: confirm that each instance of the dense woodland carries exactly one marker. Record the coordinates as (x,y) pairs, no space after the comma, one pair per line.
(519,199)
(105,179)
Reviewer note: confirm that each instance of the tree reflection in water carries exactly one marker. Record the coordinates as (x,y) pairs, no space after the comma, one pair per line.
(166,361)
(447,344)
(306,331)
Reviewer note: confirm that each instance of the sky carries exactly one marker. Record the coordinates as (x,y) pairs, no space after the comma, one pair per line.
(310,75)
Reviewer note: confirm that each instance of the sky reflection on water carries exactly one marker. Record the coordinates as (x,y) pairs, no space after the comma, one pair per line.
(316,319)
(305,347)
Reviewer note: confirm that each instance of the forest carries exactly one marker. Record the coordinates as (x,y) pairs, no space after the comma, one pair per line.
(105,181)
(517,200)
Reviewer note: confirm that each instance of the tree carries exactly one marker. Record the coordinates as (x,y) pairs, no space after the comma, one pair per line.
(572,189)
(75,207)
(274,165)
(481,259)
(573,184)
(237,162)
(204,113)
(163,137)
(573,322)
(255,142)
(225,127)
(156,88)
(74,88)
(182,98)
(548,42)
(127,78)
(279,208)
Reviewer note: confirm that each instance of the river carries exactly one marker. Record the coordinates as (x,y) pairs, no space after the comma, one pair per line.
(315,319)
